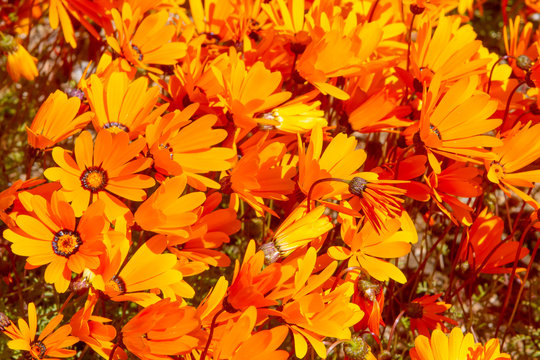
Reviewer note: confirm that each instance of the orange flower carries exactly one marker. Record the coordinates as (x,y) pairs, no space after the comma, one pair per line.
(19,61)
(121,105)
(100,171)
(56,120)
(456,181)
(164,328)
(455,347)
(516,43)
(182,146)
(424,311)
(92,330)
(10,205)
(262,173)
(297,230)
(341,51)
(298,115)
(340,159)
(147,40)
(235,340)
(450,51)
(51,235)
(312,313)
(50,344)
(147,269)
(519,149)
(367,246)
(251,282)
(453,123)
(247,90)
(484,249)
(212,229)
(166,211)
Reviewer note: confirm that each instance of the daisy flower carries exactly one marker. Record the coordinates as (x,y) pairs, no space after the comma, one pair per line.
(56,120)
(49,344)
(424,313)
(52,235)
(456,346)
(19,61)
(102,170)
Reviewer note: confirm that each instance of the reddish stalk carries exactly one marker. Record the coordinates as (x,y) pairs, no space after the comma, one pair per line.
(511,281)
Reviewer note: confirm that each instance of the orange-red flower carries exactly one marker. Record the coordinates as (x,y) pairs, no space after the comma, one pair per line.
(56,120)
(251,282)
(369,296)
(183,146)
(166,211)
(59,11)
(162,329)
(92,329)
(101,170)
(484,249)
(50,344)
(424,314)
(52,235)
(262,173)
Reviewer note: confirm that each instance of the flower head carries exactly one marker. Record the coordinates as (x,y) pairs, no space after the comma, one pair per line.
(56,120)
(49,344)
(102,170)
(52,235)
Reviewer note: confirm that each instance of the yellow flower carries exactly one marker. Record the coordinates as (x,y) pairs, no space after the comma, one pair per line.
(19,61)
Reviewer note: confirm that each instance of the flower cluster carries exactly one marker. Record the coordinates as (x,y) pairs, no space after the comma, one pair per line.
(371,144)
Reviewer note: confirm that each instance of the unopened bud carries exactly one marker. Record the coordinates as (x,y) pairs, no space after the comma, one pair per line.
(524,62)
(4,321)
(357,186)
(271,253)
(417,10)
(356,348)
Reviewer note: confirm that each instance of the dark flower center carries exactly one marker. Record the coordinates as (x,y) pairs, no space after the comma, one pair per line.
(94,179)
(138,51)
(116,126)
(435,131)
(66,243)
(117,284)
(38,348)
(414,310)
(226,185)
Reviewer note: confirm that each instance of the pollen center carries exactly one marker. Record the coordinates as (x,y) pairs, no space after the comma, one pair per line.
(115,286)
(116,127)
(435,131)
(94,179)
(66,243)
(37,348)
